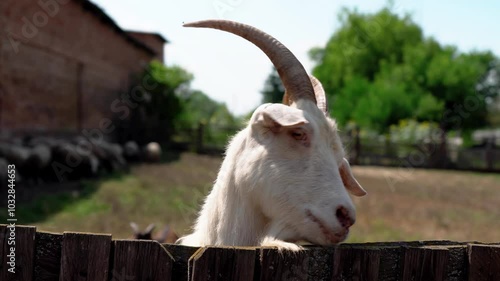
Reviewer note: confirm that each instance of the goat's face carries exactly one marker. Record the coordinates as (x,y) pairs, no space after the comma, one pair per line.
(297,167)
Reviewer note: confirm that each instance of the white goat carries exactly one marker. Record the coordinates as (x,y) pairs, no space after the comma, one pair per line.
(284,177)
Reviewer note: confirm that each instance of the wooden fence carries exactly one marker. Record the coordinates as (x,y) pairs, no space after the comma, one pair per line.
(380,152)
(370,151)
(96,257)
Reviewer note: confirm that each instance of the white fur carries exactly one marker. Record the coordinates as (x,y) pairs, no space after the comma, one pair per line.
(270,183)
(152,152)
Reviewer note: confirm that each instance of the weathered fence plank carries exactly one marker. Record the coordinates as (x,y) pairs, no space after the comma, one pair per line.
(275,265)
(85,257)
(319,262)
(390,264)
(425,264)
(223,264)
(181,255)
(23,254)
(45,256)
(484,262)
(3,251)
(355,263)
(456,271)
(48,256)
(141,260)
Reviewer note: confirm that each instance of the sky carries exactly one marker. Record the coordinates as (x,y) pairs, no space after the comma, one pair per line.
(229,69)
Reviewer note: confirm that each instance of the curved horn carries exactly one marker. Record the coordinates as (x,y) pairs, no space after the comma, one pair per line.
(292,73)
(319,92)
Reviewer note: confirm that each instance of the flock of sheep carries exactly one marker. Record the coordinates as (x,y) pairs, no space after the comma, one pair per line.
(49,159)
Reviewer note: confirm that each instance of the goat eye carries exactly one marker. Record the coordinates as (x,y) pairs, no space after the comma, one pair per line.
(298,135)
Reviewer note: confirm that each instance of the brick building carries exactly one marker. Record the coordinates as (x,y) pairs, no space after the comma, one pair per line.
(64,62)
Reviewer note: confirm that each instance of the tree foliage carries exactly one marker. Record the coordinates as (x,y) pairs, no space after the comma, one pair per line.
(217,121)
(199,108)
(379,68)
(167,106)
(273,88)
(162,96)
(156,107)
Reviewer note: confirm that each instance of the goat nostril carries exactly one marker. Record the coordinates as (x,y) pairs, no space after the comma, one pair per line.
(344,217)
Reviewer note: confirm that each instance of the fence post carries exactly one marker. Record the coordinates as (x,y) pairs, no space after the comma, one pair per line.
(22,254)
(357,145)
(48,256)
(425,263)
(488,153)
(199,137)
(141,260)
(211,263)
(484,262)
(352,263)
(85,257)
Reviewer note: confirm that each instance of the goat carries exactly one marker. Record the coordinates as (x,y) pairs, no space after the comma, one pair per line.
(166,236)
(284,177)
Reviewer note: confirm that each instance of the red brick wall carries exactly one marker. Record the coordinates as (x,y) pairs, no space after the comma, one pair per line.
(152,41)
(63,50)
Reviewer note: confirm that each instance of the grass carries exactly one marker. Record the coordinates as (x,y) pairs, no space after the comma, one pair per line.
(403,204)
(408,204)
(75,202)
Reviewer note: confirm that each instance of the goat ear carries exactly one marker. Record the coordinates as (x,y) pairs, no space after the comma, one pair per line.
(149,229)
(278,116)
(134,227)
(350,183)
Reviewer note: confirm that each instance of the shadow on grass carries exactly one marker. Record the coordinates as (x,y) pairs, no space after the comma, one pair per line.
(39,205)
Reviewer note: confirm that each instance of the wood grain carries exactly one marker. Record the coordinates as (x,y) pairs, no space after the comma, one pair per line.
(484,262)
(141,260)
(48,256)
(85,257)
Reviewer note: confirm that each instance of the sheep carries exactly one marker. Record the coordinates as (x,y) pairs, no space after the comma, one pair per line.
(37,162)
(131,151)
(78,162)
(29,161)
(166,236)
(284,177)
(15,153)
(3,170)
(109,155)
(152,152)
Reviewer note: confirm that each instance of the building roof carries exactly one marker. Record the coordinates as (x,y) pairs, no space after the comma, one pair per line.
(154,34)
(103,17)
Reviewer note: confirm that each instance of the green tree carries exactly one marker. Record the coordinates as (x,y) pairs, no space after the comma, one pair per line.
(363,42)
(159,88)
(273,88)
(198,108)
(454,79)
(217,120)
(379,69)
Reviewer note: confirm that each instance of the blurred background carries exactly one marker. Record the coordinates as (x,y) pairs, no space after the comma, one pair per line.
(113,113)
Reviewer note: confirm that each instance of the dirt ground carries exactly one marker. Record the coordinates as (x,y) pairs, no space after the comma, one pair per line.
(409,204)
